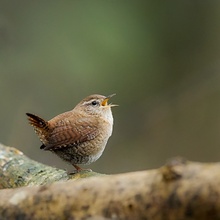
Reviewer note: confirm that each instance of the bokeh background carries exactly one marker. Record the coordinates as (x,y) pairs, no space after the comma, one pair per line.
(161,58)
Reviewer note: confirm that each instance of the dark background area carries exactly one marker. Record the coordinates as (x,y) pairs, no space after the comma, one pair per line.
(162,60)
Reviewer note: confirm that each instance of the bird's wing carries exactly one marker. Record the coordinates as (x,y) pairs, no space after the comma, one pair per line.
(68,133)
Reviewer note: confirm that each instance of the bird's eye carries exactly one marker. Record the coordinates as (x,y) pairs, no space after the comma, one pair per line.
(95,103)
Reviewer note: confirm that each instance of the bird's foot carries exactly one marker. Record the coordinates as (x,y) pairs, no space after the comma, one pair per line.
(78,170)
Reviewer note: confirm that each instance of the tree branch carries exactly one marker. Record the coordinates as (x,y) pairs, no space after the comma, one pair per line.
(179,190)
(18,170)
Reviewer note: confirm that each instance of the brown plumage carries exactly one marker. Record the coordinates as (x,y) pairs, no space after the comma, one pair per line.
(78,136)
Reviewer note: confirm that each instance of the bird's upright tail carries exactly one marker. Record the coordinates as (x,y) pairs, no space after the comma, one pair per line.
(37,122)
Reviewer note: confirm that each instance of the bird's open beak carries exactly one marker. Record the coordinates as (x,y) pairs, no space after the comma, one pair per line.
(105,101)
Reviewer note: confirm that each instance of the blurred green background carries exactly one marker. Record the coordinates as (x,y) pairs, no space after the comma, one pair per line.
(161,58)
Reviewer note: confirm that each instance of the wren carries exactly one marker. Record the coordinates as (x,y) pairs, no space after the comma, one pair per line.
(78,136)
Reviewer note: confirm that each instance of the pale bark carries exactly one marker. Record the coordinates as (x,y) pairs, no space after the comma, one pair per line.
(18,170)
(179,190)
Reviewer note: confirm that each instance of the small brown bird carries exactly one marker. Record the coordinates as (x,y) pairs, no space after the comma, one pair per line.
(78,136)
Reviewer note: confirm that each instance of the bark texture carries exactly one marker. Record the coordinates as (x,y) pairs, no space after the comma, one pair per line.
(180,190)
(18,170)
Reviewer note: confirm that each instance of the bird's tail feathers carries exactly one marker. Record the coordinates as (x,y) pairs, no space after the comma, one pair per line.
(37,122)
